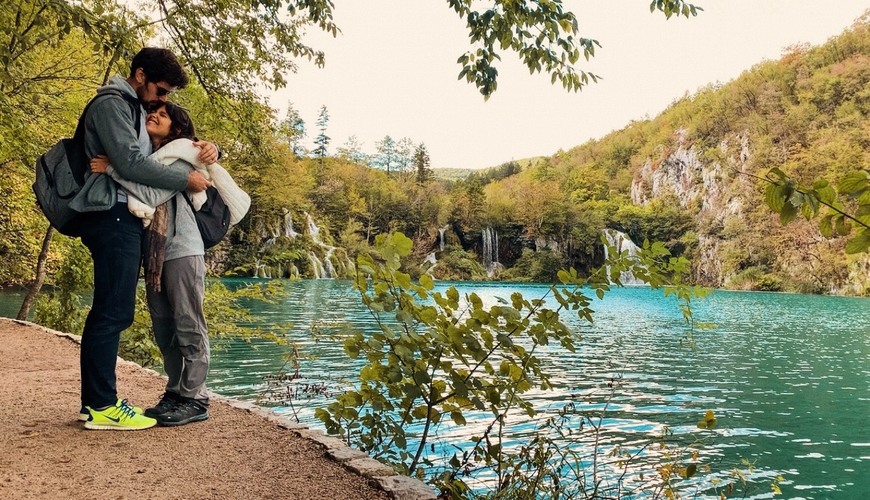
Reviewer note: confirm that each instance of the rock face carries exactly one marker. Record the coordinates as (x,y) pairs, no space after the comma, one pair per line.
(739,241)
(701,186)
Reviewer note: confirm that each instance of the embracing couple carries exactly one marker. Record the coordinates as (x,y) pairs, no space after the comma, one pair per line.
(138,199)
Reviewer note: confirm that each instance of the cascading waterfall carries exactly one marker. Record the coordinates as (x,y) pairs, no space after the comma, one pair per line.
(330,269)
(622,243)
(288,226)
(261,270)
(441,232)
(313,230)
(328,263)
(490,250)
(323,269)
(316,266)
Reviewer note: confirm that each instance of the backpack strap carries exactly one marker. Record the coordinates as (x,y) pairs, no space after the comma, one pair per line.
(135,108)
(79,136)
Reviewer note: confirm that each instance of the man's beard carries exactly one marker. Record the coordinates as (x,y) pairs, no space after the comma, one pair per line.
(145,104)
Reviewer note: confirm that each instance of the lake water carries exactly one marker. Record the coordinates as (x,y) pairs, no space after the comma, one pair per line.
(788,376)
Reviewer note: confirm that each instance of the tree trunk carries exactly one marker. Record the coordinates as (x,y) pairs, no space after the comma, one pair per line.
(36,286)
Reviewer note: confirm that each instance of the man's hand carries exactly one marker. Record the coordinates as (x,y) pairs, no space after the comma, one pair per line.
(208,152)
(197,182)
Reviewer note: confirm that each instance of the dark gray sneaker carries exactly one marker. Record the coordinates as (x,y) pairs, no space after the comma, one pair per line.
(186,411)
(167,402)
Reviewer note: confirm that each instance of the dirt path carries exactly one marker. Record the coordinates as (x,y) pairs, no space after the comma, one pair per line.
(45,452)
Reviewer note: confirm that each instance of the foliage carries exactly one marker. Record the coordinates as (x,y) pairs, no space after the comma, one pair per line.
(63,307)
(805,115)
(226,313)
(542,33)
(422,164)
(788,198)
(457,265)
(662,220)
(322,140)
(439,356)
(541,266)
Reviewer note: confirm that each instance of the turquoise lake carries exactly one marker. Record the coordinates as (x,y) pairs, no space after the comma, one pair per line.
(788,376)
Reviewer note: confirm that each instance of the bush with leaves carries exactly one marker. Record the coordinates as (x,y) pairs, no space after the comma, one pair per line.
(440,356)
(63,307)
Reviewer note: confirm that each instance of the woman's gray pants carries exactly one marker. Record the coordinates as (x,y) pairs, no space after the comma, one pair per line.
(179,326)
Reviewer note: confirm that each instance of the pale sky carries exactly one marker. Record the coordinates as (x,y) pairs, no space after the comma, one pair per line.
(393,71)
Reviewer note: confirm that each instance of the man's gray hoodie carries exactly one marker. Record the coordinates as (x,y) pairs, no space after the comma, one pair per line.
(110,131)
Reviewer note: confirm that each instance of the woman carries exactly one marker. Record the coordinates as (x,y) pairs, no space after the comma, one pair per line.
(175,267)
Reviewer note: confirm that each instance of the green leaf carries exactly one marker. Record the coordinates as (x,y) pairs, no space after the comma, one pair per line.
(854,182)
(427,282)
(860,243)
(775,197)
(788,213)
(826,226)
(842,226)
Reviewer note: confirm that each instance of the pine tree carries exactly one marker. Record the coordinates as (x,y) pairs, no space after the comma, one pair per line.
(422,164)
(322,140)
(386,157)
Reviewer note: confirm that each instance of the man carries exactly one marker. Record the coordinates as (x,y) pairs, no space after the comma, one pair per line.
(112,234)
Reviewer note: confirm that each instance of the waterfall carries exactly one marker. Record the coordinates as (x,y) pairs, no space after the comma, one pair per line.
(490,250)
(261,270)
(622,243)
(431,258)
(325,261)
(330,269)
(316,266)
(441,232)
(324,269)
(313,230)
(288,225)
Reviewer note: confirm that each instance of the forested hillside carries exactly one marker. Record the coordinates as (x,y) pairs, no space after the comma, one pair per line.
(687,177)
(806,114)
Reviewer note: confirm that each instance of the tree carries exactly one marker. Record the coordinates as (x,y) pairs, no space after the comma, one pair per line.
(292,129)
(404,154)
(232,46)
(352,151)
(386,157)
(842,210)
(422,165)
(322,140)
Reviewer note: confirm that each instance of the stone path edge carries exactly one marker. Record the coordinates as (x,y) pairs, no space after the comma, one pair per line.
(378,474)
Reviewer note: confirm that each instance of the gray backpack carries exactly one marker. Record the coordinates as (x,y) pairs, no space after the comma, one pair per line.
(60,172)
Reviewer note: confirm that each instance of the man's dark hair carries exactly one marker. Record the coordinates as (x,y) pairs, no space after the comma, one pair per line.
(160,65)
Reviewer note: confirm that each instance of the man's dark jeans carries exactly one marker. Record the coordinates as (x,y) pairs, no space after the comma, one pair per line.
(114,238)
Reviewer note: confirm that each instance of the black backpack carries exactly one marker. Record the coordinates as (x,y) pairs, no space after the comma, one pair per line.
(60,172)
(212,218)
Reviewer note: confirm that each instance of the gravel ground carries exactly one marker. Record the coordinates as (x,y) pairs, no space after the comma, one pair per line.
(46,453)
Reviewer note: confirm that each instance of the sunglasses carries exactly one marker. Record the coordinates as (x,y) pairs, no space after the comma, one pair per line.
(162,91)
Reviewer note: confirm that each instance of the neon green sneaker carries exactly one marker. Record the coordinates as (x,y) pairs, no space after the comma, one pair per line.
(84,413)
(120,417)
